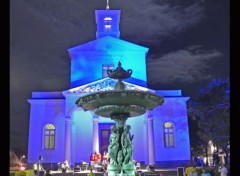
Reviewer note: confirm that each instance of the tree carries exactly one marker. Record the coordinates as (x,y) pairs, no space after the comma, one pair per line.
(211,110)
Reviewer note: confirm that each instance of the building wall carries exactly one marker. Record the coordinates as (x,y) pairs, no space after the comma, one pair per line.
(173,110)
(140,143)
(53,111)
(81,136)
(43,112)
(87,66)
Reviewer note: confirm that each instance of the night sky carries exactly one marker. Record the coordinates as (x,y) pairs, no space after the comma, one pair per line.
(188,43)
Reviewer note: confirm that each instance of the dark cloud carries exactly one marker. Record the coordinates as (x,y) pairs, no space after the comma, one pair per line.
(187,65)
(162,20)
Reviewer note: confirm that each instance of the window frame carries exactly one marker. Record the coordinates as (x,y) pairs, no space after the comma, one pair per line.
(104,71)
(51,137)
(168,132)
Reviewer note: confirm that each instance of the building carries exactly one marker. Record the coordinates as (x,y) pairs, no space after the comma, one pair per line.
(59,130)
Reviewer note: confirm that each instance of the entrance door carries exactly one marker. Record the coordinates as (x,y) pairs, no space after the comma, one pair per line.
(104,134)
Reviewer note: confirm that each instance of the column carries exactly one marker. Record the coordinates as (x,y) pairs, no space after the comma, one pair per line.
(151,158)
(95,134)
(68,139)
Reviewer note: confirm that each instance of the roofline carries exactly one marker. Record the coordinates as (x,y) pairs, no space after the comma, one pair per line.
(104,38)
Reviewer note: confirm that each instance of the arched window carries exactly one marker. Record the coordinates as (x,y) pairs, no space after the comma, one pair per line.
(168,134)
(49,137)
(107,19)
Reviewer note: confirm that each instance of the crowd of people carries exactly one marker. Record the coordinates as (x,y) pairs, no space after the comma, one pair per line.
(222,169)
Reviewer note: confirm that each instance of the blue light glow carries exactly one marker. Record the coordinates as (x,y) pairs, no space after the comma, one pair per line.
(89,63)
(87,59)
(82,135)
(109,19)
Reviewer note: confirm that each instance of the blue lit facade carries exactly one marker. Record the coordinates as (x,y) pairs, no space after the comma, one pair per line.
(87,60)
(75,133)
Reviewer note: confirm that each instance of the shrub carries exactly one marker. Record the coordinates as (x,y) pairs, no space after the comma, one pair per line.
(24,173)
(188,170)
(12,174)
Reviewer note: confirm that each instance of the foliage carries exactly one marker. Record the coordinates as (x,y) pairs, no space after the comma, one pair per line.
(188,170)
(197,150)
(12,174)
(24,173)
(211,110)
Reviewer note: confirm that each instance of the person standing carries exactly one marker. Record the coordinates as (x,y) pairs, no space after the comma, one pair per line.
(195,159)
(40,168)
(92,160)
(105,158)
(215,159)
(223,170)
(98,157)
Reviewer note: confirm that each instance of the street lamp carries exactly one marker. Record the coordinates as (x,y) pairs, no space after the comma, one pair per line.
(23,156)
(22,167)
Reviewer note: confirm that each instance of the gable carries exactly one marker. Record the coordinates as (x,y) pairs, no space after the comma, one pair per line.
(107,84)
(108,43)
(104,84)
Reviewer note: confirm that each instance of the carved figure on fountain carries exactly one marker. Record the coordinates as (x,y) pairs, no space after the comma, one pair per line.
(127,145)
(113,145)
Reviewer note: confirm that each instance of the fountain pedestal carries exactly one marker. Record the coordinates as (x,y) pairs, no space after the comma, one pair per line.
(120,148)
(120,104)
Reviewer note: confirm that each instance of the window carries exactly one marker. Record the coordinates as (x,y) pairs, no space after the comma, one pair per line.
(107,24)
(49,137)
(105,68)
(107,19)
(168,134)
(107,27)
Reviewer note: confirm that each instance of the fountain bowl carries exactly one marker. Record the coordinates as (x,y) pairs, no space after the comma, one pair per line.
(131,102)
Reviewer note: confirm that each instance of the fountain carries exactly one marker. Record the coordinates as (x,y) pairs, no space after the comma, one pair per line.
(120,104)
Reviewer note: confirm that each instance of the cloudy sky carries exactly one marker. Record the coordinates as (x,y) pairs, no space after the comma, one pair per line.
(188,43)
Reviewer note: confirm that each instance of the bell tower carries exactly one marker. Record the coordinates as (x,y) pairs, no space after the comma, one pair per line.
(107,22)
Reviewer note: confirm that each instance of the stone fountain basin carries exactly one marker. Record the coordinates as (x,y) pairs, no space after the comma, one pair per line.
(131,102)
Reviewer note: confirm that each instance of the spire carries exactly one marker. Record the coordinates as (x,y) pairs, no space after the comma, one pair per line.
(107,7)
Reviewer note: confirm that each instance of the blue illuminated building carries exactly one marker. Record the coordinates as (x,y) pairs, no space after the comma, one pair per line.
(59,130)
